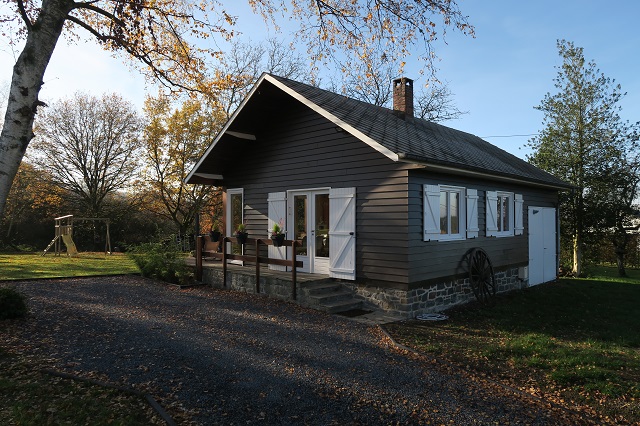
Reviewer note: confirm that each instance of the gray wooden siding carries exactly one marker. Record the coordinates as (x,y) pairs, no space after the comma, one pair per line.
(305,151)
(429,260)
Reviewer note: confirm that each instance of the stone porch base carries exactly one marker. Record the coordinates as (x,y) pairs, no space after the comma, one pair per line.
(436,298)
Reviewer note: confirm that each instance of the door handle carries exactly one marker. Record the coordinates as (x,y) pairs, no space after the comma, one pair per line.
(352,233)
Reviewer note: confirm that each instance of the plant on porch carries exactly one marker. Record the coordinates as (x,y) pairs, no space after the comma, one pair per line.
(278,234)
(215,231)
(241,234)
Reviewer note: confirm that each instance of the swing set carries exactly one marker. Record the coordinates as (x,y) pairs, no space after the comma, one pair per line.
(64,235)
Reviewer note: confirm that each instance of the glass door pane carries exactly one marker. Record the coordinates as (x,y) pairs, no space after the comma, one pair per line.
(454,211)
(236,219)
(300,223)
(321,225)
(444,213)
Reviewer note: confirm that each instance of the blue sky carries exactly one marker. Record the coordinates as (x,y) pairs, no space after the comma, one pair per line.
(498,77)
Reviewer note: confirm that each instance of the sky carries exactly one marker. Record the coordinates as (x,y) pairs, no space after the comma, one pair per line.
(498,77)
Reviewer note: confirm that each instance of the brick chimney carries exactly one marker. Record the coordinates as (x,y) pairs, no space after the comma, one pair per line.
(403,96)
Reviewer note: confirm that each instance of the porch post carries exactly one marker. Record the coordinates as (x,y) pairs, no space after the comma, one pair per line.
(294,243)
(199,244)
(258,265)
(225,240)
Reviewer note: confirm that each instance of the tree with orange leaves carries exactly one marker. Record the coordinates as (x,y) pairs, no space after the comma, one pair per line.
(174,139)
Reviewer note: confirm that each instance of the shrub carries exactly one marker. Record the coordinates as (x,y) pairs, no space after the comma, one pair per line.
(12,304)
(162,261)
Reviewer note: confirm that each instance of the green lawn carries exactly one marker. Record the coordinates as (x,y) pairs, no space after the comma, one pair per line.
(576,342)
(33,265)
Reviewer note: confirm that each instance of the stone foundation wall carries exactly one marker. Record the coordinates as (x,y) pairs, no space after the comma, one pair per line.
(271,286)
(434,298)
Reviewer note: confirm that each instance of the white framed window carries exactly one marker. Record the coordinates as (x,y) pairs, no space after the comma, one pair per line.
(452,224)
(504,214)
(445,213)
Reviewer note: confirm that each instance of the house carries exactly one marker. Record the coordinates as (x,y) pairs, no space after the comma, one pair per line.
(389,204)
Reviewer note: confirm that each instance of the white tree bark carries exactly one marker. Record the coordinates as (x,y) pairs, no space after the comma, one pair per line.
(26,82)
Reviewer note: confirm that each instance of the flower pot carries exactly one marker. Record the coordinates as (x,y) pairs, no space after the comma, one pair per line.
(278,239)
(242,237)
(215,236)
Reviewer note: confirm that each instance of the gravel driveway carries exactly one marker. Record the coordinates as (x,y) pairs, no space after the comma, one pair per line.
(232,358)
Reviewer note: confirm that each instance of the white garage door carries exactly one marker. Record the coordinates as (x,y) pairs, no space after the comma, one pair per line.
(543,262)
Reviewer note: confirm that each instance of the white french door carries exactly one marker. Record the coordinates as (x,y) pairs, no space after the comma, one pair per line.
(308,224)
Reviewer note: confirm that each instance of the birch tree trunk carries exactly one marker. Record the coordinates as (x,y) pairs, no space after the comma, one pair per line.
(26,82)
(577,256)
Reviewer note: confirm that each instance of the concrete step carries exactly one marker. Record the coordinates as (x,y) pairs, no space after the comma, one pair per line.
(333,296)
(341,305)
(329,296)
(322,287)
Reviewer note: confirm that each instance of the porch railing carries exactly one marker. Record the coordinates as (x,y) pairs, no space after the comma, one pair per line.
(256,258)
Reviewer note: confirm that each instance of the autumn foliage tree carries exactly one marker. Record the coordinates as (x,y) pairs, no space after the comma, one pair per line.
(173,141)
(161,34)
(33,202)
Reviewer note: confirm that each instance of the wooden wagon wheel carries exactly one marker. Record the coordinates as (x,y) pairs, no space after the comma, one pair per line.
(483,282)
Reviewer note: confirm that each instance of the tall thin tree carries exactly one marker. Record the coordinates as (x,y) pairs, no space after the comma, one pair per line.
(585,142)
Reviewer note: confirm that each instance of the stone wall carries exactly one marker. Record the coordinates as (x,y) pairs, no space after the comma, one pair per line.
(271,286)
(434,298)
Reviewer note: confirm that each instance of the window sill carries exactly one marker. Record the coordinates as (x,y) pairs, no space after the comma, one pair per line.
(452,238)
(503,235)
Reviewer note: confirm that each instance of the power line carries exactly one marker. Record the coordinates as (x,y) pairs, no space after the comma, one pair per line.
(508,136)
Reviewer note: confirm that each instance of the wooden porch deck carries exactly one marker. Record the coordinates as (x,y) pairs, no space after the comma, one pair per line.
(249,270)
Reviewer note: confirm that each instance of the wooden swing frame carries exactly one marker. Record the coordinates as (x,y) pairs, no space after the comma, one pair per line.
(64,226)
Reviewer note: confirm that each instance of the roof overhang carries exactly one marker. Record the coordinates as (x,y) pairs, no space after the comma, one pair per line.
(196,177)
(485,174)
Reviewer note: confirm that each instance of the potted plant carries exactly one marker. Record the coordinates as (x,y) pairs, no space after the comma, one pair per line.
(277,234)
(215,232)
(241,234)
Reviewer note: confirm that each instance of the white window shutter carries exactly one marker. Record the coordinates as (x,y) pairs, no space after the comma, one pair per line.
(492,213)
(431,212)
(277,210)
(342,233)
(519,214)
(472,213)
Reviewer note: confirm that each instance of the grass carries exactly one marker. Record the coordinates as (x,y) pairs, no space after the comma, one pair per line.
(33,265)
(31,397)
(576,342)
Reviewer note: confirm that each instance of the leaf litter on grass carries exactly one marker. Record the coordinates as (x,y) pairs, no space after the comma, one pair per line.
(591,368)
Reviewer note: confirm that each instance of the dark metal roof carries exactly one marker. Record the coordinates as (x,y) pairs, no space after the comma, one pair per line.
(418,140)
